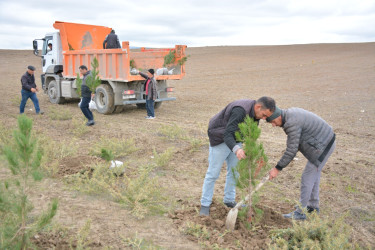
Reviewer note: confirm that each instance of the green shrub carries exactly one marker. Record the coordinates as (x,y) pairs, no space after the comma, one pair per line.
(139,191)
(314,233)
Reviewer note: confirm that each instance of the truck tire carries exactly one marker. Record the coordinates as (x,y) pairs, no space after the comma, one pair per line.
(104,99)
(54,93)
(157,105)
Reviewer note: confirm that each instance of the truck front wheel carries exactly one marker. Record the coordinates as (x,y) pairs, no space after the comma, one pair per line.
(54,93)
(104,99)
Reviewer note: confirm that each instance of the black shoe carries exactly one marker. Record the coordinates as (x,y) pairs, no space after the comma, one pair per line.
(312,209)
(205,211)
(90,123)
(230,204)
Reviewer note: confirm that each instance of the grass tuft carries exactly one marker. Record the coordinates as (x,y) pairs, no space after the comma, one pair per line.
(118,146)
(59,114)
(162,160)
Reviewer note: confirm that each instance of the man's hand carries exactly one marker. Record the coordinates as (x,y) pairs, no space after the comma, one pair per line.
(33,90)
(273,173)
(240,154)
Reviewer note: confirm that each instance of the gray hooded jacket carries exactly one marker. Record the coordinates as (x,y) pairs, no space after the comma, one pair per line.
(307,133)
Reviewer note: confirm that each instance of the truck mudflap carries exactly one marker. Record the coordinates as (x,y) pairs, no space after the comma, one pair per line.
(144,101)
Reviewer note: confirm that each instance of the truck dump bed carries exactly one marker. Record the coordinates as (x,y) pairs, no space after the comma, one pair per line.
(82,43)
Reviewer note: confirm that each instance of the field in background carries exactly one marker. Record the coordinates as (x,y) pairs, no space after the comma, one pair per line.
(335,81)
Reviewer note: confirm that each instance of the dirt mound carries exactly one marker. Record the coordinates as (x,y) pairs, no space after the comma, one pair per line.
(76,164)
(211,231)
(60,240)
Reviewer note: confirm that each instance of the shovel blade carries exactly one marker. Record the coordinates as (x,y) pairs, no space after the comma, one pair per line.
(231,219)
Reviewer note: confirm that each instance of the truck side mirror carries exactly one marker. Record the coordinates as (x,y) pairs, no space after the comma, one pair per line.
(35,46)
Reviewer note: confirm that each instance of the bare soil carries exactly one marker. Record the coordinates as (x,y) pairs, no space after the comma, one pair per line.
(335,81)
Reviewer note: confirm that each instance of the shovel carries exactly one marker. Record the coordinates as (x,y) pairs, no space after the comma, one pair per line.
(232,215)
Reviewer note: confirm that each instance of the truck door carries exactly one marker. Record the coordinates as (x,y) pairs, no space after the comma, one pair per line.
(49,57)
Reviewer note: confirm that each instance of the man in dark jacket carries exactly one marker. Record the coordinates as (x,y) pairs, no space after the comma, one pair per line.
(151,92)
(111,40)
(224,147)
(87,95)
(315,139)
(29,90)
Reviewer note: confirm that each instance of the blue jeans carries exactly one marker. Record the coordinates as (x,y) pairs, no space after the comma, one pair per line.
(217,155)
(150,108)
(85,108)
(25,96)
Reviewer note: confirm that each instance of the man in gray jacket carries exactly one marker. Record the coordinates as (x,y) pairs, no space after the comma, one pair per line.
(315,139)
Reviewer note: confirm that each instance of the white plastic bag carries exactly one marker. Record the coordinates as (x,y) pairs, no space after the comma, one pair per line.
(115,164)
(162,71)
(92,104)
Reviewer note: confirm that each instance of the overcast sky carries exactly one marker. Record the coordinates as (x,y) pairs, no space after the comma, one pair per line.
(196,23)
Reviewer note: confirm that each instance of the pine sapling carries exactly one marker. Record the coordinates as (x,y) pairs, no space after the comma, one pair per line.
(169,58)
(24,160)
(254,166)
(78,85)
(92,81)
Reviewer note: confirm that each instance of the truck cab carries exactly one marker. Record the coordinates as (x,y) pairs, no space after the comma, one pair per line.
(51,54)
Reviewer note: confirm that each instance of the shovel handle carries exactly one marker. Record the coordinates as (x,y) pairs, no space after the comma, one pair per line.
(261,183)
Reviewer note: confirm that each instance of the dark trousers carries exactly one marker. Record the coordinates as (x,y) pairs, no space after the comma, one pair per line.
(25,96)
(150,108)
(85,108)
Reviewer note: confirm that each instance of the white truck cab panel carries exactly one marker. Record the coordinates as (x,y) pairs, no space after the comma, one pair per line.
(52,56)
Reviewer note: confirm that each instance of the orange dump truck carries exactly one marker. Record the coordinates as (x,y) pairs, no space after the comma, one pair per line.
(78,44)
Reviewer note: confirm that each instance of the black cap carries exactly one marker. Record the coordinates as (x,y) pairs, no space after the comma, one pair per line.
(31,68)
(275,114)
(151,71)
